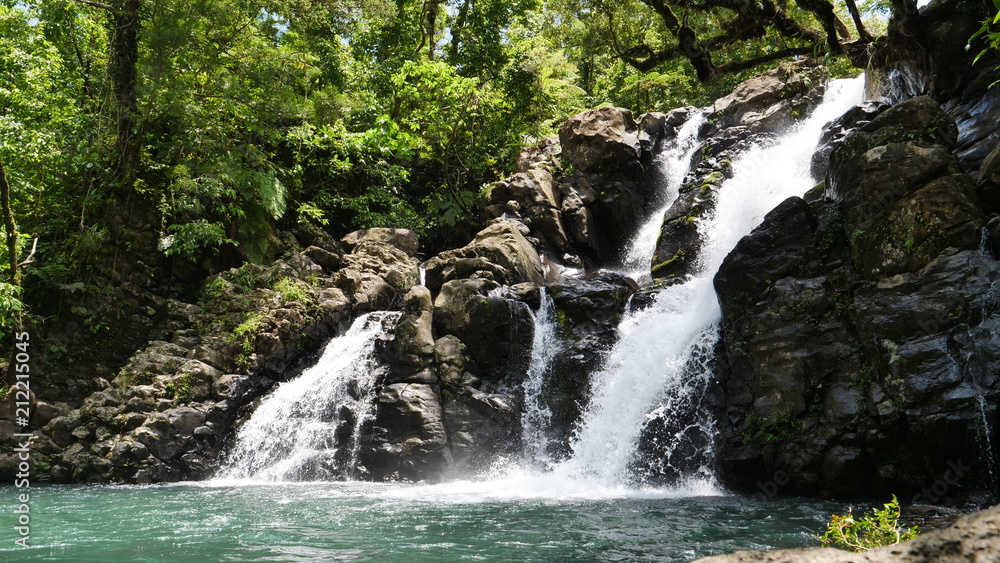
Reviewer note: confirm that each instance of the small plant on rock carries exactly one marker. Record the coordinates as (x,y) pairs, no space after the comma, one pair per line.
(291,291)
(866,532)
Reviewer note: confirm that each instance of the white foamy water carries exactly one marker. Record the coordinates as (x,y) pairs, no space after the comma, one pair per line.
(658,359)
(536,417)
(673,163)
(309,427)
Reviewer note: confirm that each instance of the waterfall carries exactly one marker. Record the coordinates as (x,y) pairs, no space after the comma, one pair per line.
(536,417)
(671,165)
(660,361)
(309,428)
(654,378)
(977,375)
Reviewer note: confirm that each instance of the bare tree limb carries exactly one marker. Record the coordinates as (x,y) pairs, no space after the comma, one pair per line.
(31,256)
(100,5)
(863,34)
(737,66)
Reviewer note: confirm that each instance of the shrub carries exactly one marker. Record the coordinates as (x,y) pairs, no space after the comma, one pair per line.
(866,532)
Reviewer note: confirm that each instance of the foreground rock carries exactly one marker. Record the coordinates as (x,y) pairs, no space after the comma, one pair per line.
(973,537)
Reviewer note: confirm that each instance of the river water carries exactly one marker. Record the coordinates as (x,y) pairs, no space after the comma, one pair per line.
(353,521)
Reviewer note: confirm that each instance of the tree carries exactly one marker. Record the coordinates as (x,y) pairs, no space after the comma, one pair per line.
(648,33)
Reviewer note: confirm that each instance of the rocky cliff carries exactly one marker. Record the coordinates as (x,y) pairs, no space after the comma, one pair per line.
(859,331)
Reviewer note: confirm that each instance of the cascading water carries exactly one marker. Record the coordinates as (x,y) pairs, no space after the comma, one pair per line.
(660,360)
(536,417)
(659,368)
(989,308)
(309,428)
(671,163)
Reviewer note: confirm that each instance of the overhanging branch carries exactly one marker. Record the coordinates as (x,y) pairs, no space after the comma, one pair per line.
(100,5)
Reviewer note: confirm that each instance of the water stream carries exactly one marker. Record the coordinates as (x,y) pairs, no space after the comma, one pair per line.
(659,363)
(309,428)
(671,165)
(536,417)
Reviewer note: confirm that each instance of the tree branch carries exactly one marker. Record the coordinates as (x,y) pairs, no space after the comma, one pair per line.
(737,66)
(824,13)
(31,256)
(863,34)
(100,5)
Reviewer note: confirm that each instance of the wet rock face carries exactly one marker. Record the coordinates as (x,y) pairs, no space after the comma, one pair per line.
(409,437)
(679,241)
(837,130)
(587,313)
(859,332)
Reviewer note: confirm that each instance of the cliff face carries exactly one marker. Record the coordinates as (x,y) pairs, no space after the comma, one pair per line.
(860,329)
(860,324)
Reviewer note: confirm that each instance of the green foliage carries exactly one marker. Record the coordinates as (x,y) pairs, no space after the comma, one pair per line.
(767,429)
(862,381)
(245,335)
(290,291)
(990,33)
(189,239)
(10,305)
(880,528)
(179,388)
(252,118)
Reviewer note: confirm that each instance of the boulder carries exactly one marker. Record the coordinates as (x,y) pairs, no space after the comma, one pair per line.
(482,427)
(492,328)
(499,253)
(412,349)
(900,150)
(599,139)
(375,274)
(409,440)
(329,261)
(773,100)
(402,239)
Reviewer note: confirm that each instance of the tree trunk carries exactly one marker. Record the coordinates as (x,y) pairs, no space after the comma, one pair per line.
(863,34)
(124,57)
(10,226)
(430,26)
(457,28)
